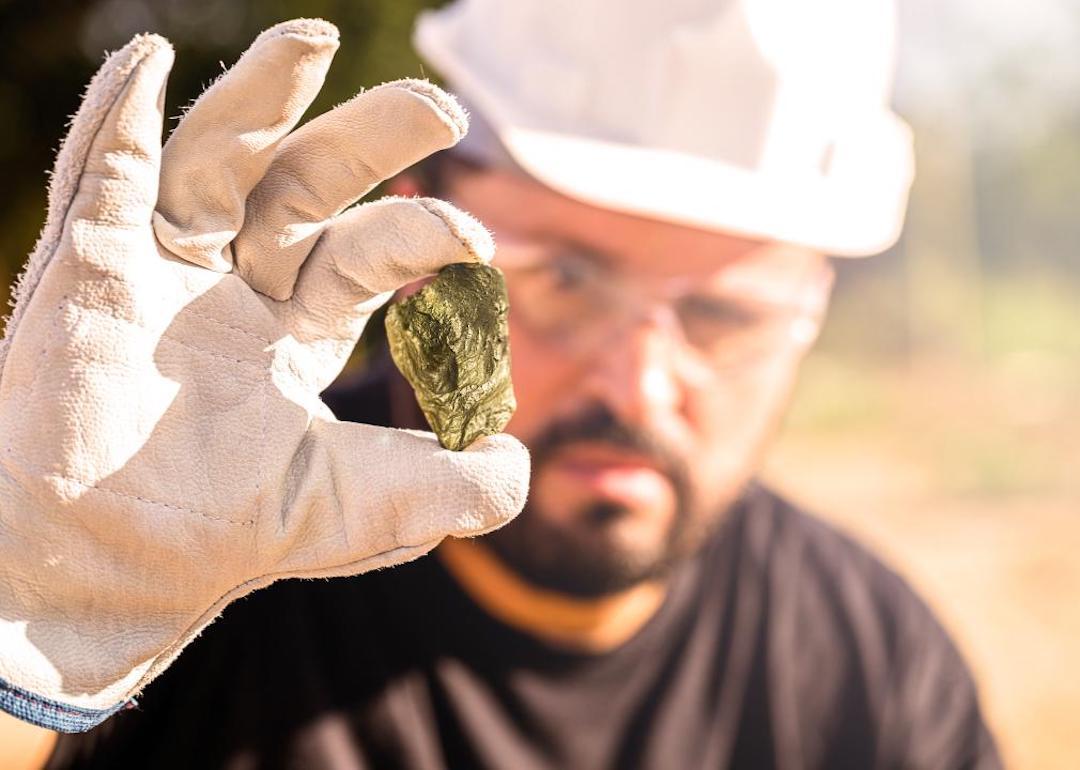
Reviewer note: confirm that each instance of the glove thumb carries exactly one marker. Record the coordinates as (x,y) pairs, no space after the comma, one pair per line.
(369,497)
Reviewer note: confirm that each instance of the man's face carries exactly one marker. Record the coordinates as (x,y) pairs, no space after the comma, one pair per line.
(651,363)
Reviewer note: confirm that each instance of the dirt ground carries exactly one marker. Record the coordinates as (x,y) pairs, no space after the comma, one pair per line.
(996,557)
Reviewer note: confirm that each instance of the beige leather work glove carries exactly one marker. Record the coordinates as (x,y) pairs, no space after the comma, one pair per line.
(164,448)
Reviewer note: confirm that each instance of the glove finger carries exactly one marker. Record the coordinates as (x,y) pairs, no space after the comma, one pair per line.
(113,150)
(226,141)
(331,162)
(372,250)
(396,494)
(107,164)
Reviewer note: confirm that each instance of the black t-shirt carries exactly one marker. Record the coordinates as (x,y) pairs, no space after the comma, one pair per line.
(781,645)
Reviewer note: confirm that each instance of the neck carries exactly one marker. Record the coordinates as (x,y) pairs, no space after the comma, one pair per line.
(582,625)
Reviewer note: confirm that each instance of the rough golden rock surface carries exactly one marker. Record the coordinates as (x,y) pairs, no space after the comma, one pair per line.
(450,340)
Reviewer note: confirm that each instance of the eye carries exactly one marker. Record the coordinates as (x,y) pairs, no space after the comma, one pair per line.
(557,294)
(569,274)
(718,314)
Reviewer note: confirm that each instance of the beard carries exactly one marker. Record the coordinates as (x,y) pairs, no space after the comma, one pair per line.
(551,557)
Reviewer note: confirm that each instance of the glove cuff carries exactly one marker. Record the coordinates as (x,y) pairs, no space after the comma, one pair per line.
(50,714)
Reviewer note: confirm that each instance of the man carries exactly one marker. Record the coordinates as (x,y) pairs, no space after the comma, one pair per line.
(663,186)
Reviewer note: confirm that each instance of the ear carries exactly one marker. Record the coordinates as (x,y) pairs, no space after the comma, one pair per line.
(406,185)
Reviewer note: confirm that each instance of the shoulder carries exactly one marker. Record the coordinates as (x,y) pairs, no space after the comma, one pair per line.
(832,586)
(855,649)
(816,564)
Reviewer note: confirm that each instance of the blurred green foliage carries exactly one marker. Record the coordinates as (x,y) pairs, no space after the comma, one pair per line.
(48,52)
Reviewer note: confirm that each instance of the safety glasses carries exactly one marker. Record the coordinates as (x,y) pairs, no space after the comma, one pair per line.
(737,317)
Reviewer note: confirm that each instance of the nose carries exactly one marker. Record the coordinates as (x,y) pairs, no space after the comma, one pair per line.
(635,373)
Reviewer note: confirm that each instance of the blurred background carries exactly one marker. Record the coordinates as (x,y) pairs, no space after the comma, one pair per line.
(939,418)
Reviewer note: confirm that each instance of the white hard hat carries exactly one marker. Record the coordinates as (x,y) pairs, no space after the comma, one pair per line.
(763,118)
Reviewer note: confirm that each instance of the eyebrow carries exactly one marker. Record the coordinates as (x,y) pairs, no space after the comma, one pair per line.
(579,249)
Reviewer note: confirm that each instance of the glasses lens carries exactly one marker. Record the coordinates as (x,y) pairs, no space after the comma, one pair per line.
(727,331)
(578,302)
(559,296)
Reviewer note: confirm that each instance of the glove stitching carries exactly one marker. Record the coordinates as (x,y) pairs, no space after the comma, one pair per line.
(83,310)
(45,473)
(196,313)
(73,154)
(106,277)
(261,458)
(176,341)
(80,310)
(39,366)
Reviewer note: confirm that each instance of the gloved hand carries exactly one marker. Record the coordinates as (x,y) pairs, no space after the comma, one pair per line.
(164,449)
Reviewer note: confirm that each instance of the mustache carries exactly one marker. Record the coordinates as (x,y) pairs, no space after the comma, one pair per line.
(598,423)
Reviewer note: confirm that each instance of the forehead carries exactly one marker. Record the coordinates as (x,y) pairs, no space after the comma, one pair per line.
(518,208)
